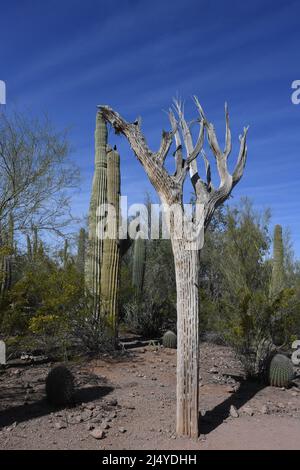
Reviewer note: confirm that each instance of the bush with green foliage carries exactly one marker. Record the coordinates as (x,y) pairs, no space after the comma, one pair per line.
(235,284)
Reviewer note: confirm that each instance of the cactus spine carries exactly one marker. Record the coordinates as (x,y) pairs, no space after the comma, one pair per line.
(138,268)
(98,198)
(277,279)
(80,261)
(111,247)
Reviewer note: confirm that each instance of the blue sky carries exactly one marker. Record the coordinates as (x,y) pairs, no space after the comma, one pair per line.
(65,57)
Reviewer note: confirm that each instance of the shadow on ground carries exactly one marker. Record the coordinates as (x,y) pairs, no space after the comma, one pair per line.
(215,417)
(41,407)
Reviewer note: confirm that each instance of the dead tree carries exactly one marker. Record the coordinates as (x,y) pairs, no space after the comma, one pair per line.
(170,190)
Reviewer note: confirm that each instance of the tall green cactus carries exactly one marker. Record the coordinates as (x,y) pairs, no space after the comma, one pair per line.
(277,278)
(66,253)
(29,248)
(6,255)
(80,260)
(35,243)
(111,247)
(98,198)
(138,268)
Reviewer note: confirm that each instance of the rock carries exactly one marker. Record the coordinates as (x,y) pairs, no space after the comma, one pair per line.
(248,410)
(59,425)
(213,370)
(90,406)
(87,414)
(105,426)
(10,428)
(233,412)
(90,427)
(97,433)
(113,402)
(264,410)
(122,430)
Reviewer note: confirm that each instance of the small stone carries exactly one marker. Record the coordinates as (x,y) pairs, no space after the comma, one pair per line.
(122,430)
(213,370)
(264,410)
(113,402)
(233,412)
(90,427)
(248,410)
(90,406)
(59,425)
(97,433)
(87,414)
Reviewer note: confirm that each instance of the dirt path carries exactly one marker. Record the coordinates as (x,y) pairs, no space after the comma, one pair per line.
(133,402)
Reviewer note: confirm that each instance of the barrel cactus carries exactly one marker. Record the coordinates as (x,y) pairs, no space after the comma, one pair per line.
(169,340)
(60,386)
(281,371)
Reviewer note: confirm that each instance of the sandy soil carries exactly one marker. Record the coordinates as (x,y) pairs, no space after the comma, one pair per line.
(132,400)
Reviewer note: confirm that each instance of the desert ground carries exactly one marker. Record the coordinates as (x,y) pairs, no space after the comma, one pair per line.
(128,402)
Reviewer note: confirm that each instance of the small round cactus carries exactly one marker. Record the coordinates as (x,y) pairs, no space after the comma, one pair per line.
(281,371)
(60,385)
(169,340)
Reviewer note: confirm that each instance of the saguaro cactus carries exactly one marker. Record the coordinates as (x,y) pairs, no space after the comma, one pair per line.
(277,279)
(80,261)
(98,198)
(29,248)
(138,268)
(111,246)
(66,254)
(35,243)
(6,252)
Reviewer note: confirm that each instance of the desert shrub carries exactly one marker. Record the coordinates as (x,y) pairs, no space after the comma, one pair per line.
(145,317)
(91,333)
(250,324)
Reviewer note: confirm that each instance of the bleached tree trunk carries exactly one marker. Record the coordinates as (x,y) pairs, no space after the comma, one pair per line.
(170,189)
(187,272)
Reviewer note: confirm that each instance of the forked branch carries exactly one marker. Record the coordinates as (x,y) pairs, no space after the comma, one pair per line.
(170,187)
